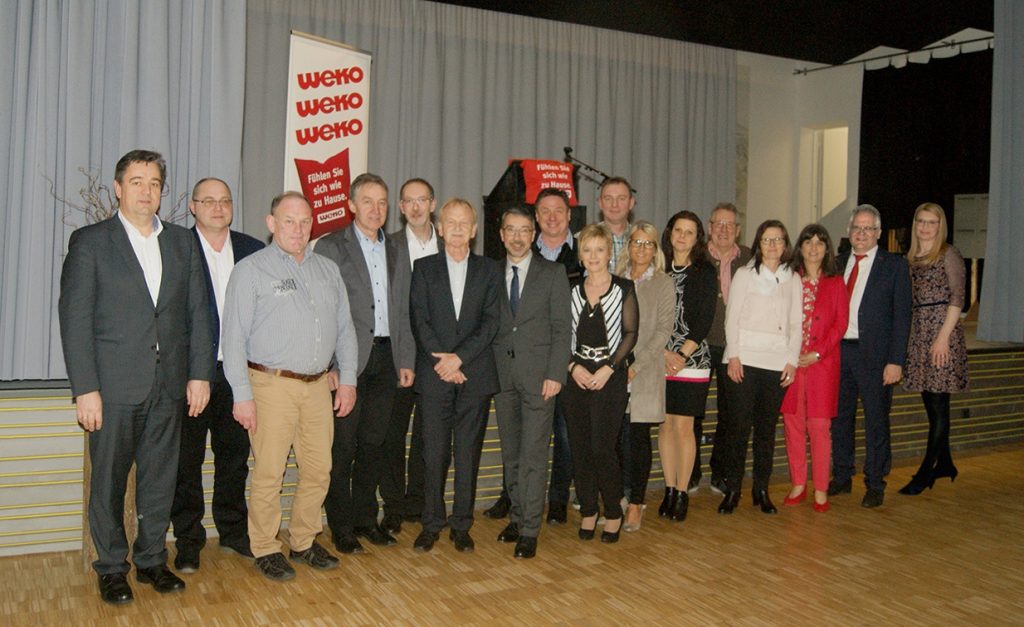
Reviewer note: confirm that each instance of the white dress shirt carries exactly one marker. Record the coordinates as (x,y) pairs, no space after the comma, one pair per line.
(418,249)
(524,267)
(147,251)
(852,330)
(220,265)
(457,278)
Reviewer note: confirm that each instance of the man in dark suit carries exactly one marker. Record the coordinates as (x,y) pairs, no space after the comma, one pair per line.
(212,208)
(135,327)
(402,496)
(531,351)
(455,316)
(557,243)
(872,354)
(376,274)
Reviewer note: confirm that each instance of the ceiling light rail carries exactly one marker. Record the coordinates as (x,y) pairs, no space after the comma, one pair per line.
(899,59)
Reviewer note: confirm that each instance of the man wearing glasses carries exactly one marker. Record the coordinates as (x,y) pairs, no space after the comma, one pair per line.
(727,256)
(872,354)
(403,498)
(531,351)
(222,248)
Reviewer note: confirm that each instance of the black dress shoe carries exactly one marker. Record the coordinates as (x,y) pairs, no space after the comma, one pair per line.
(392,523)
(114,589)
(425,541)
(347,543)
(873,498)
(526,547)
(275,567)
(610,537)
(376,535)
(917,485)
(668,503)
(682,507)
(500,508)
(463,543)
(729,502)
(587,534)
(556,513)
(239,548)
(186,561)
(160,577)
(840,487)
(509,534)
(761,500)
(315,556)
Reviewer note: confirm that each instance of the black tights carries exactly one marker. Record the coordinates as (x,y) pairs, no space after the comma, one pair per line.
(640,460)
(938,457)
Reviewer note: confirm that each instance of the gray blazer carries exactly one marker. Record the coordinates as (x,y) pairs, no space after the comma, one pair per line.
(534,345)
(656,298)
(343,248)
(110,328)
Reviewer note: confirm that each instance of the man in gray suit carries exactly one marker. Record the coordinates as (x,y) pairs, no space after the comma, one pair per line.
(376,273)
(135,327)
(531,352)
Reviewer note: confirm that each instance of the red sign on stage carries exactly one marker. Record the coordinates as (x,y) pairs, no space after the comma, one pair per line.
(325,185)
(540,174)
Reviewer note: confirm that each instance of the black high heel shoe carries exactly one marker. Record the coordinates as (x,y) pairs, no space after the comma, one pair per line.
(588,534)
(682,507)
(609,537)
(729,503)
(950,472)
(761,500)
(668,505)
(918,484)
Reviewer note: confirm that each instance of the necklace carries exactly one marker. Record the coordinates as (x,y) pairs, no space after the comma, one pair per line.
(675,269)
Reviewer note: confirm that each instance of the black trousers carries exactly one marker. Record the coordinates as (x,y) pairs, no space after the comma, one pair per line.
(753,403)
(402,493)
(357,454)
(594,419)
(148,434)
(230,444)
(857,377)
(453,422)
(640,460)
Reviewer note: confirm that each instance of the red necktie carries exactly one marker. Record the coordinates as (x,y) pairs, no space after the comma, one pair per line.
(852,281)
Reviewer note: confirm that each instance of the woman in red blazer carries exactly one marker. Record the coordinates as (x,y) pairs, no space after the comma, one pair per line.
(810,403)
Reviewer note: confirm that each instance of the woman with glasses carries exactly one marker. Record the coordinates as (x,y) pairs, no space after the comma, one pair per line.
(687,359)
(937,354)
(656,299)
(763,337)
(604,332)
(811,402)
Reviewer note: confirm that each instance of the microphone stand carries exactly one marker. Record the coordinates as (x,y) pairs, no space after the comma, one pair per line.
(586,170)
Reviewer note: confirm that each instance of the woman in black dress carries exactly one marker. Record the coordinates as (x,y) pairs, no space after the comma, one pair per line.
(605,318)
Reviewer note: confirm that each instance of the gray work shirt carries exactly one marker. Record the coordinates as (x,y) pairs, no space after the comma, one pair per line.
(284,314)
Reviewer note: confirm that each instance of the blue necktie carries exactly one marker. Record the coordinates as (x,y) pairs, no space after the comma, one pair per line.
(513,291)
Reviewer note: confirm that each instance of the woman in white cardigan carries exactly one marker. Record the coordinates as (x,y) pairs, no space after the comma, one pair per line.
(655,294)
(763,334)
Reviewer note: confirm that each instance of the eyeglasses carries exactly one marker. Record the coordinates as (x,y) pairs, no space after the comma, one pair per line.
(862,230)
(512,231)
(210,203)
(723,225)
(641,243)
(421,201)
(773,241)
(924,222)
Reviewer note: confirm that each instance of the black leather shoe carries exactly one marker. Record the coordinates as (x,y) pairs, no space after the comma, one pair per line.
(186,561)
(917,485)
(376,535)
(588,534)
(761,500)
(275,567)
(315,556)
(238,548)
(610,537)
(509,534)
(425,541)
(160,577)
(729,503)
(668,503)
(463,543)
(392,523)
(840,487)
(526,547)
(556,513)
(500,508)
(682,507)
(348,544)
(873,498)
(114,589)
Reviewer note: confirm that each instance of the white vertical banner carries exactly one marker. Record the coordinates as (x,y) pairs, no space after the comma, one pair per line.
(327,127)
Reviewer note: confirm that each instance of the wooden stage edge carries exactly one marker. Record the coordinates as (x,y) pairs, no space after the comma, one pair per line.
(950,556)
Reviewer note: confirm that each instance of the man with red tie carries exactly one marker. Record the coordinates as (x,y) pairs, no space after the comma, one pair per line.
(873,352)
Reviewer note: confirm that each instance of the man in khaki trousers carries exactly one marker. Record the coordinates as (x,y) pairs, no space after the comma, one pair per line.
(286,315)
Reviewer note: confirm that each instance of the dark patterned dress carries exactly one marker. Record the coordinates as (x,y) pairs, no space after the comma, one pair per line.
(936,287)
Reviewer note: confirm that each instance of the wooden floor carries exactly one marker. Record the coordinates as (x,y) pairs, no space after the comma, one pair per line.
(954,555)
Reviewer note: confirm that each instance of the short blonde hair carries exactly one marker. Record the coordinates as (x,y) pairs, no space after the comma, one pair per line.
(593,231)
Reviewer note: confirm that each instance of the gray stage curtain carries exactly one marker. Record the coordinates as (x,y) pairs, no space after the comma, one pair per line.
(456,92)
(83,82)
(1001,317)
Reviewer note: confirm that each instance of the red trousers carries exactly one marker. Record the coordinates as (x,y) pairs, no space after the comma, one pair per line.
(800,428)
